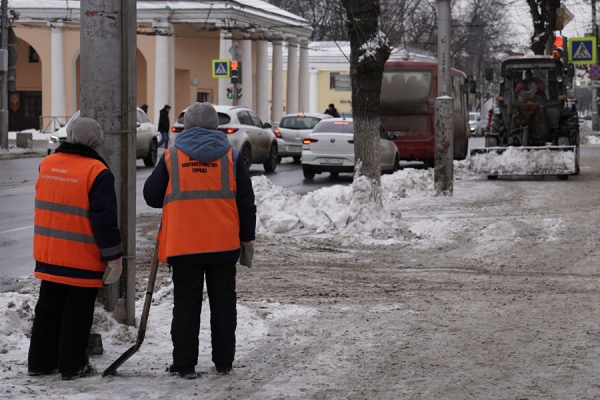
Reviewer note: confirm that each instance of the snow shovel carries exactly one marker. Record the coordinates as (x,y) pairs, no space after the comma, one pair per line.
(112,369)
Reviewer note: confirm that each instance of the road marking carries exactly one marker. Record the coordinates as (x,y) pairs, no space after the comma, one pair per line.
(17,229)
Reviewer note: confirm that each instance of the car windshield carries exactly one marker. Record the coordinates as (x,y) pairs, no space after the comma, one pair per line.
(472,117)
(335,127)
(299,122)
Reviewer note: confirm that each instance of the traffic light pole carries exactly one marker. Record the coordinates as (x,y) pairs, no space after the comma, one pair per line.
(4,77)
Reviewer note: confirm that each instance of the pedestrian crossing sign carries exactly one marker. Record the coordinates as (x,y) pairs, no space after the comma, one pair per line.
(220,69)
(582,50)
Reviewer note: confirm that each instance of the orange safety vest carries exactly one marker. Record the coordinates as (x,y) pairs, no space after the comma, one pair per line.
(63,233)
(200,212)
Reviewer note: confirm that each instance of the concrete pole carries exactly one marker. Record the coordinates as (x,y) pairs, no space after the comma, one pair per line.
(595,117)
(444,40)
(4,77)
(108,51)
(444,130)
(277,81)
(443,173)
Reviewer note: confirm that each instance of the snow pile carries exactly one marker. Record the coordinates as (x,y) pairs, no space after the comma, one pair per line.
(338,210)
(524,161)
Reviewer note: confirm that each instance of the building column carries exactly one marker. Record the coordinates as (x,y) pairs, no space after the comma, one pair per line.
(314,91)
(224,83)
(277,81)
(262,80)
(247,90)
(303,88)
(292,78)
(162,76)
(57,72)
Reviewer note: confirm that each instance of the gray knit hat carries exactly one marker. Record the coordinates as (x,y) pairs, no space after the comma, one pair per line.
(203,115)
(85,131)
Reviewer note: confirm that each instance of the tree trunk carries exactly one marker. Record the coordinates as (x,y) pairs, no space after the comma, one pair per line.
(543,15)
(369,50)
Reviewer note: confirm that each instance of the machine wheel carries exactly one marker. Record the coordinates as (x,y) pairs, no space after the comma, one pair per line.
(297,159)
(308,172)
(152,156)
(247,155)
(279,158)
(271,162)
(334,174)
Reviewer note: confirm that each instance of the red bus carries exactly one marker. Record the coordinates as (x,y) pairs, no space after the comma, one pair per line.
(407,108)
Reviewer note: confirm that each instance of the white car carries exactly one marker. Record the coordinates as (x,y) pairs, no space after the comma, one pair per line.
(147,138)
(292,130)
(475,124)
(330,148)
(254,139)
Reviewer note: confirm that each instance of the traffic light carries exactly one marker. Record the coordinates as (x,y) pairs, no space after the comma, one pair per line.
(239,93)
(557,53)
(472,87)
(233,65)
(229,93)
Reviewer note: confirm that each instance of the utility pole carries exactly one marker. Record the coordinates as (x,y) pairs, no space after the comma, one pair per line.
(4,77)
(594,90)
(108,54)
(443,173)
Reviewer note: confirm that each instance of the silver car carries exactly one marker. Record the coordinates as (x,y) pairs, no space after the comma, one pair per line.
(246,132)
(146,138)
(292,130)
(330,148)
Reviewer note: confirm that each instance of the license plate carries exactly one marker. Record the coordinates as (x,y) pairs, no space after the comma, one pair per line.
(295,149)
(334,161)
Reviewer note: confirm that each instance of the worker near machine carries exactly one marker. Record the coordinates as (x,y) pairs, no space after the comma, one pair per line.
(530,88)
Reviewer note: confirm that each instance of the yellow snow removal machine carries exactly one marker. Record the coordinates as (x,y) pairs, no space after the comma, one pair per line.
(534,131)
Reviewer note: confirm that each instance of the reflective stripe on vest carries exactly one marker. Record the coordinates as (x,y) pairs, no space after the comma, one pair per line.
(199,210)
(63,240)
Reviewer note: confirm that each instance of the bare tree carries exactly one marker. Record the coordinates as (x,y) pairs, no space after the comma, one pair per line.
(369,50)
(543,15)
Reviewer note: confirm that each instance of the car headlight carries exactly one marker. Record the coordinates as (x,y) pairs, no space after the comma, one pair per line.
(53,139)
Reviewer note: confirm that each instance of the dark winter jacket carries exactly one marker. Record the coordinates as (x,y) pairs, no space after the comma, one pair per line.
(164,124)
(333,112)
(207,145)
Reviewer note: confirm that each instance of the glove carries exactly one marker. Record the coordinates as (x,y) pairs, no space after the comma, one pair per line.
(113,271)
(247,254)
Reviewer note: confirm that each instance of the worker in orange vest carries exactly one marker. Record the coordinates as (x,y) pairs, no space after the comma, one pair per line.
(208,223)
(77,248)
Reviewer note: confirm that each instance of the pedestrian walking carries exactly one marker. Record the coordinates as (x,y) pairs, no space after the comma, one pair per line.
(208,223)
(77,249)
(164,124)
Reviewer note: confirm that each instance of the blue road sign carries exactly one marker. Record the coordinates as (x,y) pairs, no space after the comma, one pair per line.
(582,50)
(220,69)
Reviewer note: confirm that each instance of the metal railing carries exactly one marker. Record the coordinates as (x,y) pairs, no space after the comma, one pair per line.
(51,124)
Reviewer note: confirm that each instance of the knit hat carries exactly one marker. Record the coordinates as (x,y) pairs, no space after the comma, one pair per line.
(203,115)
(85,131)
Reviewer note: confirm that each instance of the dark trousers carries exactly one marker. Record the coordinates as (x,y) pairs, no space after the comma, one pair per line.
(61,327)
(164,140)
(188,282)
